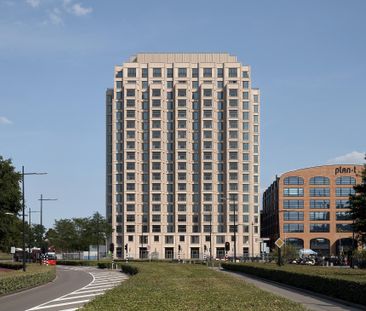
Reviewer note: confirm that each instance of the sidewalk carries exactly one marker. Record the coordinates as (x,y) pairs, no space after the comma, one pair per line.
(308,299)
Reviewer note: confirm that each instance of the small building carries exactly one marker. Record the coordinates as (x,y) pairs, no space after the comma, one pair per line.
(308,208)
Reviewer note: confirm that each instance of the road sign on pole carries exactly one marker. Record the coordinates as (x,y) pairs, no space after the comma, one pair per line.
(279,242)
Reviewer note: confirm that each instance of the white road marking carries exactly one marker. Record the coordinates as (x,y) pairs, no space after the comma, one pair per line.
(76,297)
(101,282)
(59,305)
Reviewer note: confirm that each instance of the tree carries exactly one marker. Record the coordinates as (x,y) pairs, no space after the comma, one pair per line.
(10,204)
(78,233)
(358,208)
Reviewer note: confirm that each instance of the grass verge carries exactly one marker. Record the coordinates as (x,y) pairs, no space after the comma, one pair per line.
(346,284)
(15,280)
(162,286)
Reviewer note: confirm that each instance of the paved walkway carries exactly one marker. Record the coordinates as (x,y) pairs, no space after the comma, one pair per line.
(309,300)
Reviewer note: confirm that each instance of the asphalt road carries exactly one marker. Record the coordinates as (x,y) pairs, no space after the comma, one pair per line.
(66,281)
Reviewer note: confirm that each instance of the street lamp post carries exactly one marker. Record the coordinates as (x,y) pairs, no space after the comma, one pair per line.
(41,210)
(234,229)
(23,210)
(211,235)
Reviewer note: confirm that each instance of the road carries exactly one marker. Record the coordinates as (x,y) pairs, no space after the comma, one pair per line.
(310,300)
(73,287)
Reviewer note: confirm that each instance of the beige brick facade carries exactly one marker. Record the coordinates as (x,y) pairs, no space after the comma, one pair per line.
(182,152)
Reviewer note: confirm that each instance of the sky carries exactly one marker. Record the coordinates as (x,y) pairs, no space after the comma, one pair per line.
(57,58)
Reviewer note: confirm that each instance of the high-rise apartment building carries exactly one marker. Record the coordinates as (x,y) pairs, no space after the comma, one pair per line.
(183,157)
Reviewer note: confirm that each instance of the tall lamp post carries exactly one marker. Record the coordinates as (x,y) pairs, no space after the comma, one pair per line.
(233,197)
(23,208)
(41,210)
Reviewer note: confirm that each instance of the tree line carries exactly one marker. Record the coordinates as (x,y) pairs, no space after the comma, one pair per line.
(66,235)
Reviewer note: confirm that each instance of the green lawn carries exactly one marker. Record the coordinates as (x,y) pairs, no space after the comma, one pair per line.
(168,286)
(5,256)
(338,273)
(14,280)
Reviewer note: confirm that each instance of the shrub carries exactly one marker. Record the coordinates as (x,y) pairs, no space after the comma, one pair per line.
(103,265)
(11,265)
(128,269)
(77,262)
(26,280)
(324,284)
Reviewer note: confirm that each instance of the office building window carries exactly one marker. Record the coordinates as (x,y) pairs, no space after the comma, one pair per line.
(293,180)
(319,215)
(293,192)
(319,227)
(319,192)
(321,204)
(293,227)
(319,180)
(344,192)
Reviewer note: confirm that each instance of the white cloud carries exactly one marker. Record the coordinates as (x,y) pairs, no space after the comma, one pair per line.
(55,19)
(33,3)
(5,120)
(353,157)
(78,10)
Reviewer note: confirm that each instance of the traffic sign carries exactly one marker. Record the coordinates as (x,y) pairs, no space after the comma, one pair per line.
(279,242)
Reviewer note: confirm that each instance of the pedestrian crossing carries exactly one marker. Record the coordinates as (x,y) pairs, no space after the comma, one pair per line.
(103,280)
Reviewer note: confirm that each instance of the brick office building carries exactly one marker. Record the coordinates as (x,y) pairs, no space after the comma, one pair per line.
(308,208)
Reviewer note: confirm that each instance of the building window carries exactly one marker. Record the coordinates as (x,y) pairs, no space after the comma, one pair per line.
(321,204)
(220,72)
(319,215)
(319,180)
(344,192)
(182,72)
(319,192)
(293,180)
(195,239)
(294,215)
(293,192)
(343,216)
(182,228)
(169,72)
(156,72)
(345,180)
(130,92)
(319,227)
(342,204)
(233,72)
(131,72)
(344,227)
(207,72)
(293,227)
(156,92)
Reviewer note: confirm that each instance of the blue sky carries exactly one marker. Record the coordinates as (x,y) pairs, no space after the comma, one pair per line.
(57,59)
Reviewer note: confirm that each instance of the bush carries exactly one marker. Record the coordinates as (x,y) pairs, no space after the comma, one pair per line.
(359,258)
(103,265)
(128,269)
(77,262)
(324,284)
(24,280)
(11,265)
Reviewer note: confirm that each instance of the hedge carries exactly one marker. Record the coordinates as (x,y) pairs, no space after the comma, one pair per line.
(11,265)
(327,285)
(128,269)
(77,262)
(26,280)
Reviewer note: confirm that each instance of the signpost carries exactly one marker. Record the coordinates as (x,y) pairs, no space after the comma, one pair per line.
(279,243)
